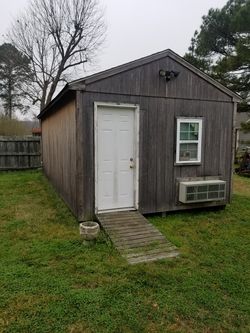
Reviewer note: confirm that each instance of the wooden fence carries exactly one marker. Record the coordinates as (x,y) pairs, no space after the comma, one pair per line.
(18,153)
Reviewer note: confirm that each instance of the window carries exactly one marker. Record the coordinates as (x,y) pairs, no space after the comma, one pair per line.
(188,145)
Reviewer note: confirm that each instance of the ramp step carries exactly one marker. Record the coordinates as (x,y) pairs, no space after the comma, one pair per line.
(136,235)
(149,252)
(153,257)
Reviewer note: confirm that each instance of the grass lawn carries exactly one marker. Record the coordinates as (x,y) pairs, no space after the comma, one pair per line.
(49,282)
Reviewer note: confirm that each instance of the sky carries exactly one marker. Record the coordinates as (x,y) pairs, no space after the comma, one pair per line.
(135,28)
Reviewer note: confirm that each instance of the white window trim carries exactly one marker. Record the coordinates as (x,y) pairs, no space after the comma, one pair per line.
(178,141)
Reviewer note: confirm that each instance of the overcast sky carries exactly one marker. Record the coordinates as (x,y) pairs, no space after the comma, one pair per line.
(137,28)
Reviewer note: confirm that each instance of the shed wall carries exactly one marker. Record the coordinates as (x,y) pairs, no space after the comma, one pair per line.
(160,104)
(158,174)
(68,136)
(59,151)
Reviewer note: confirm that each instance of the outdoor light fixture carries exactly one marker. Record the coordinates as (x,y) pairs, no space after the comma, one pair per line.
(169,75)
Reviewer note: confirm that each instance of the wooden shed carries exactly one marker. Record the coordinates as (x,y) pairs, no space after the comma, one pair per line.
(152,135)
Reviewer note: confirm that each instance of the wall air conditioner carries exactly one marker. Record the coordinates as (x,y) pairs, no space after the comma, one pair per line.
(202,191)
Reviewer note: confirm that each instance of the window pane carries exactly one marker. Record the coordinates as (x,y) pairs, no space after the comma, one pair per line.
(184,136)
(189,131)
(184,127)
(194,127)
(188,151)
(193,154)
(193,136)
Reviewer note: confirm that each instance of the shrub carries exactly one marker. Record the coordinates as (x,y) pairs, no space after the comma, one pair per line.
(12,127)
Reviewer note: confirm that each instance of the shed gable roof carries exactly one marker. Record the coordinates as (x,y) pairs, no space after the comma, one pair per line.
(145,60)
(80,84)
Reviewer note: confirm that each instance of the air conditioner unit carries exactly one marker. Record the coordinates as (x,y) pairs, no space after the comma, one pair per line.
(202,191)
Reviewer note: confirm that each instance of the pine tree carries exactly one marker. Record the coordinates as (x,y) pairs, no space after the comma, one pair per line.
(14,75)
(222,47)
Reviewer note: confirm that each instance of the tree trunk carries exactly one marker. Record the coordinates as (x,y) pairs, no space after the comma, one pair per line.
(43,99)
(55,83)
(9,95)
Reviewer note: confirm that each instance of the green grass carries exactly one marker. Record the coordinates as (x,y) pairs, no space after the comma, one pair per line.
(50,282)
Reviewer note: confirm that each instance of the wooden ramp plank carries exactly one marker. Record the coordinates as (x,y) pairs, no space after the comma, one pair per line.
(153,257)
(135,238)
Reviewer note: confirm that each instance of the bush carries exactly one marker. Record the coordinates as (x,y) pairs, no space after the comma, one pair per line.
(12,127)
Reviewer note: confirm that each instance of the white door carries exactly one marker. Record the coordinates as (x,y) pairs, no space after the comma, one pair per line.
(115,158)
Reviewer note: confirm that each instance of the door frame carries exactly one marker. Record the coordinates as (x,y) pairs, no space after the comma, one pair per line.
(136,109)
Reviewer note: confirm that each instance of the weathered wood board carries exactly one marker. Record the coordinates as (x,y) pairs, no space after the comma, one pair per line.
(135,238)
(18,153)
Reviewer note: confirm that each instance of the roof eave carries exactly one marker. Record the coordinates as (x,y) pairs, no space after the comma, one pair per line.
(68,87)
(123,68)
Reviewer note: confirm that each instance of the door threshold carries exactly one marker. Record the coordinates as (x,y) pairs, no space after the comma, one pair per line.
(116,210)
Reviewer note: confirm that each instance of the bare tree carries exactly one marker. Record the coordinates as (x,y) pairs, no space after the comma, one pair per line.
(57,36)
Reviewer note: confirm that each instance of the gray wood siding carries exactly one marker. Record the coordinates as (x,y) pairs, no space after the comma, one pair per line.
(85,157)
(59,151)
(145,81)
(158,173)
(68,135)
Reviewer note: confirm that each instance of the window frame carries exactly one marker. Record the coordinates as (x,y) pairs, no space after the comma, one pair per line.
(179,141)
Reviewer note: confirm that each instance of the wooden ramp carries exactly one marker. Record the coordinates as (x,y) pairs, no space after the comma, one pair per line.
(135,238)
